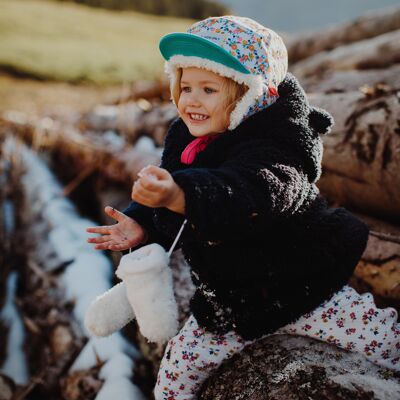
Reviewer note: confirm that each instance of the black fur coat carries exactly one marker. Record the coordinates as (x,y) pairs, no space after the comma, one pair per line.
(263,246)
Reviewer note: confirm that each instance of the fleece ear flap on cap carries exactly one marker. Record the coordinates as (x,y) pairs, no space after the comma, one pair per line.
(320,120)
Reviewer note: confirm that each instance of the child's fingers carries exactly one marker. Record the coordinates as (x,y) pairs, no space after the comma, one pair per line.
(118,247)
(152,184)
(144,200)
(145,191)
(115,214)
(149,182)
(157,172)
(111,246)
(104,230)
(103,246)
(147,170)
(99,239)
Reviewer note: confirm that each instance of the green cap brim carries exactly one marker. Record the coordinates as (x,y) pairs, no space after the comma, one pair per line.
(187,44)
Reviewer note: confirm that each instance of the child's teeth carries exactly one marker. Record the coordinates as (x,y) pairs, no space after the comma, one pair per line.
(198,116)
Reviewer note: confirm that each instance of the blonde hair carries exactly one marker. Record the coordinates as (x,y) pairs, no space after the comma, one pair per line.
(233,91)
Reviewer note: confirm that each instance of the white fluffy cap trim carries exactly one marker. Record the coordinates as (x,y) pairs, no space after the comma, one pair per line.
(253,82)
(152,257)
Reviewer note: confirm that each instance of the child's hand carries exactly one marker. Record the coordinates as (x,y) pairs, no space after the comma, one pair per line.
(156,188)
(125,234)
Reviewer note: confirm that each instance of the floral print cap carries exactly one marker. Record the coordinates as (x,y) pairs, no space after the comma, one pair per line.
(237,48)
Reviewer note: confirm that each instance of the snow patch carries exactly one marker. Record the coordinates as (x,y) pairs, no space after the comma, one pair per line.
(8,216)
(117,363)
(288,372)
(15,362)
(105,349)
(145,144)
(87,276)
(384,389)
(120,388)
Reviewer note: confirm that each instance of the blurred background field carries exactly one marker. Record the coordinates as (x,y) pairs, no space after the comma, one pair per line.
(43,42)
(92,51)
(69,42)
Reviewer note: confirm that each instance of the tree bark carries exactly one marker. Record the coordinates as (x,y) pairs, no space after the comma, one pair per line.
(361,155)
(379,52)
(150,90)
(86,153)
(49,292)
(292,368)
(360,163)
(367,26)
(348,81)
(131,120)
(358,114)
(52,339)
(379,270)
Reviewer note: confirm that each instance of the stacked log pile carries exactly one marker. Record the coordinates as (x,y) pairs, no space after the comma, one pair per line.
(59,275)
(352,71)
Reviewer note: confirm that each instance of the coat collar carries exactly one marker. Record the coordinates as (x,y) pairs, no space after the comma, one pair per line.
(292,105)
(290,121)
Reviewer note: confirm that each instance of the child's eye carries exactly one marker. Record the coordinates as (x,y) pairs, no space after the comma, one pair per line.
(186,89)
(209,90)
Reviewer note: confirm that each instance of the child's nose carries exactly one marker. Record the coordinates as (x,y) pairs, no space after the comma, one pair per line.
(193,100)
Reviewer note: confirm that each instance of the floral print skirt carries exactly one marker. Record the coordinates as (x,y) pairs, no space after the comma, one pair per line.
(348,320)
(189,359)
(353,322)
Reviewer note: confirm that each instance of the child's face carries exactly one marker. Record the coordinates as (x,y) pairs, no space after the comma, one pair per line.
(201,103)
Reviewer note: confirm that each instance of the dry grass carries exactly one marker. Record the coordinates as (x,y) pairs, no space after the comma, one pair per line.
(75,43)
(37,98)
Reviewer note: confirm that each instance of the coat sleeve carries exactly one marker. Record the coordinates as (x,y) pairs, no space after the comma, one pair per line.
(256,185)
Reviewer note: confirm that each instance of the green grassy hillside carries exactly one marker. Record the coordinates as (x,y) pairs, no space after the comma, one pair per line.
(69,42)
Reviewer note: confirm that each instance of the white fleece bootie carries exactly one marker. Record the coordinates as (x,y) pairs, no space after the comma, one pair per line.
(149,288)
(146,292)
(109,312)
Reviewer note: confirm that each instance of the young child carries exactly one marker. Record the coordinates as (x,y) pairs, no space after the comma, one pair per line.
(240,164)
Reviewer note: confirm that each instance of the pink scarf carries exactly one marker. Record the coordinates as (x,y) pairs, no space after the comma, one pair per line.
(195,147)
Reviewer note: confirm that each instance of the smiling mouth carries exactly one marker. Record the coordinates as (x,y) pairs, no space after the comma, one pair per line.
(197,117)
